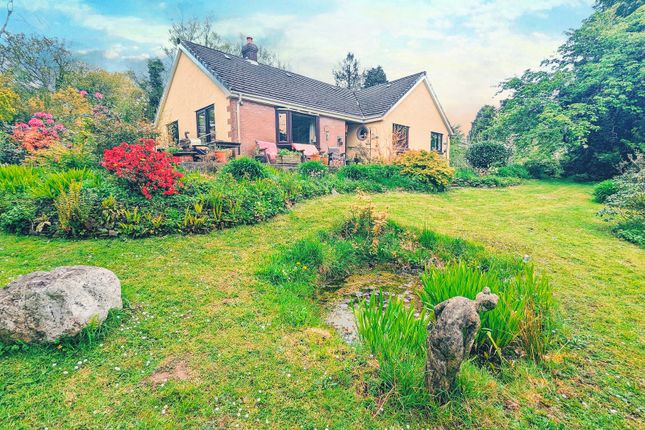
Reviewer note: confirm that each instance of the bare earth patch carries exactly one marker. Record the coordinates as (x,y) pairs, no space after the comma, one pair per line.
(176,371)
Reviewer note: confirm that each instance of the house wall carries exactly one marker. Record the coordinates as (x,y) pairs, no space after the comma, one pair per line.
(257,122)
(418,111)
(331,130)
(190,90)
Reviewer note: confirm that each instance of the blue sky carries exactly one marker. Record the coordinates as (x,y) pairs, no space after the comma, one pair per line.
(466,46)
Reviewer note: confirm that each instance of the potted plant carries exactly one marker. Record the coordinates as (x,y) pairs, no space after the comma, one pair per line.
(220,155)
(289,157)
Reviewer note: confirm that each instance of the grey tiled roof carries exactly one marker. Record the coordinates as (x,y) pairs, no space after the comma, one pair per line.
(239,75)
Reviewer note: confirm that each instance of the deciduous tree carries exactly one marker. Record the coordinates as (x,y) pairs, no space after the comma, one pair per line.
(374,76)
(346,73)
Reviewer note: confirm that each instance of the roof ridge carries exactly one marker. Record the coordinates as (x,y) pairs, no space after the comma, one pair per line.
(236,74)
(268,65)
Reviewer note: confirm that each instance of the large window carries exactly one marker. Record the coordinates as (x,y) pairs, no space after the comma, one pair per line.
(173,131)
(400,138)
(206,123)
(436,142)
(294,127)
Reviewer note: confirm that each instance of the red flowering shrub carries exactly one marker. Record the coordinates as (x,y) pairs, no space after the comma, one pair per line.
(39,133)
(141,165)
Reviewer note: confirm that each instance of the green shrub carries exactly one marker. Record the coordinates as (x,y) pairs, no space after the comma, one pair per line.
(10,151)
(484,155)
(313,169)
(604,190)
(397,338)
(55,182)
(543,169)
(513,171)
(18,217)
(522,319)
(371,172)
(246,168)
(470,178)
(626,206)
(426,167)
(631,230)
(73,210)
(18,179)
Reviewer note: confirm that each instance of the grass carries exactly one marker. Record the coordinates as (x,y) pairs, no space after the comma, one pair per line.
(196,301)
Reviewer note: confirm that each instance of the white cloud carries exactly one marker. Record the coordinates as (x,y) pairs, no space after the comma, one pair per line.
(130,28)
(467,46)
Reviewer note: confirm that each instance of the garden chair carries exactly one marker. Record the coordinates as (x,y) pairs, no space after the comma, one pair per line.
(307,150)
(267,151)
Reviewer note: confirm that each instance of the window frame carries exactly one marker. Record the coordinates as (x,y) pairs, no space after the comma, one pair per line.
(287,144)
(439,148)
(174,131)
(207,125)
(400,149)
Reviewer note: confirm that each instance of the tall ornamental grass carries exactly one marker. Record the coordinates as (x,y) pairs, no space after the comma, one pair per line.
(523,318)
(392,333)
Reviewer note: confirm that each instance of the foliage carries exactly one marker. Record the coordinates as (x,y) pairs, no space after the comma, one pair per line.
(39,133)
(50,184)
(68,105)
(585,106)
(246,168)
(204,204)
(479,128)
(346,74)
(36,63)
(11,152)
(626,205)
(374,76)
(513,171)
(73,212)
(604,190)
(154,86)
(458,147)
(426,167)
(397,338)
(542,168)
(17,216)
(522,319)
(17,179)
(143,167)
(483,155)
(314,169)
(8,99)
(467,177)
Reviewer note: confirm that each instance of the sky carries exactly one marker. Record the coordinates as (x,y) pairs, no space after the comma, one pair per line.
(467,47)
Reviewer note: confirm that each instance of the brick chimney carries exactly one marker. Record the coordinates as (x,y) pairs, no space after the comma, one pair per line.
(250,50)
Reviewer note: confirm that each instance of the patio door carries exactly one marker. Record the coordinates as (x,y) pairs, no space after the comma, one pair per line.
(206,123)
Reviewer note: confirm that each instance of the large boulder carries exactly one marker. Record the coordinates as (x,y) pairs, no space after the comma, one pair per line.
(45,306)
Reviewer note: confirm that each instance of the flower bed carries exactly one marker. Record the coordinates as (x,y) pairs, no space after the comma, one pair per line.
(140,192)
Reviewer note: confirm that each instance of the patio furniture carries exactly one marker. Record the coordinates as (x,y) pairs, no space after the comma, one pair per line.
(267,151)
(306,149)
(336,157)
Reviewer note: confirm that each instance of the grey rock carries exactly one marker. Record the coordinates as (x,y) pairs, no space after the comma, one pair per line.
(42,307)
(451,337)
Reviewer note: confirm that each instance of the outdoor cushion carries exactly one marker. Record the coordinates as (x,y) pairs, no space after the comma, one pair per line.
(307,149)
(269,148)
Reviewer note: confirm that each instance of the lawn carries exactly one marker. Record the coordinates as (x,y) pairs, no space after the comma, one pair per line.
(199,318)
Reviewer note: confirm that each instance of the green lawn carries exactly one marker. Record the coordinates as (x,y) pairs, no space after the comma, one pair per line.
(197,311)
